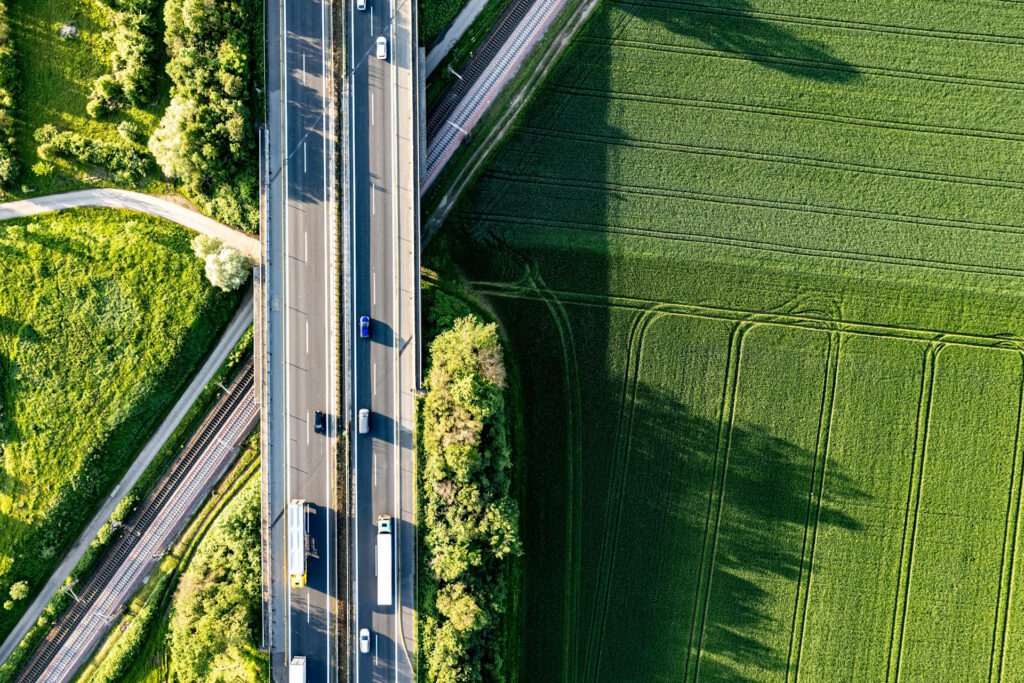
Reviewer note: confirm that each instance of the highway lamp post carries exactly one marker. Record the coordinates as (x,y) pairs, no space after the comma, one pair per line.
(453,72)
(71,590)
(460,128)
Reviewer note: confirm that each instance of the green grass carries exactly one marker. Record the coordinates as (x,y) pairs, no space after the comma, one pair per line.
(433,16)
(56,77)
(760,266)
(104,316)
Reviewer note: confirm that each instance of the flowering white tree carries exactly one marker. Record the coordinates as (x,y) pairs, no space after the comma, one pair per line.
(225,267)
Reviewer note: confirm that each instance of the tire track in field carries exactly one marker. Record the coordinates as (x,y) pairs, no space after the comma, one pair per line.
(770,318)
(788,112)
(1010,533)
(849,69)
(573,564)
(829,22)
(756,245)
(770,157)
(814,498)
(616,493)
(915,485)
(712,524)
(828,210)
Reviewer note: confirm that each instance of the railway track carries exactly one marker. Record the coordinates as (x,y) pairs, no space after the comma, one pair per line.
(478,63)
(150,513)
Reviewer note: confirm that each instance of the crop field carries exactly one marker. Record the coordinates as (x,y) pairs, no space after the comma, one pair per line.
(761,267)
(104,316)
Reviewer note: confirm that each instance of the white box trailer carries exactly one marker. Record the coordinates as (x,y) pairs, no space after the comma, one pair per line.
(297,670)
(297,543)
(384,560)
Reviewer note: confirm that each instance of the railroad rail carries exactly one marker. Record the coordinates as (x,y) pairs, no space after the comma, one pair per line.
(149,514)
(477,64)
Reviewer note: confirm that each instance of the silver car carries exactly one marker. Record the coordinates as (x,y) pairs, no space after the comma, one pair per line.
(382,48)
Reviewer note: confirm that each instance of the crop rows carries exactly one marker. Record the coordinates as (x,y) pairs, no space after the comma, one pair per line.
(764,260)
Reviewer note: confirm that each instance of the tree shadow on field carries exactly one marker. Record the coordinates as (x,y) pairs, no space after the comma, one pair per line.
(663,609)
(733,29)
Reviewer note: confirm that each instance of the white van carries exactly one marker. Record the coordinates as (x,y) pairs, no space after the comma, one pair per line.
(360,4)
(364,421)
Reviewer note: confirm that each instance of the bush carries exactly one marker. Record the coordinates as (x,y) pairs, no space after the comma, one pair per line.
(8,85)
(217,607)
(471,519)
(132,71)
(205,138)
(127,163)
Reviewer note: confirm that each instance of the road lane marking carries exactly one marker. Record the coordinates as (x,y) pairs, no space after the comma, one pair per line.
(374,378)
(307,427)
(305,239)
(371,108)
(303,69)
(307,337)
(373,201)
(303,156)
(375,467)
(373,289)
(375,649)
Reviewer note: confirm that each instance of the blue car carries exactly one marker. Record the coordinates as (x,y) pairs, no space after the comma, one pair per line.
(364,327)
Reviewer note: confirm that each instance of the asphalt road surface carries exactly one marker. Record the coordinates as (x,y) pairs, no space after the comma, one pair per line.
(301,339)
(376,145)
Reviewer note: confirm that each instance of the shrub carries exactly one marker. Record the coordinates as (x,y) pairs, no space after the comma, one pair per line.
(127,163)
(133,36)
(19,591)
(471,520)
(8,84)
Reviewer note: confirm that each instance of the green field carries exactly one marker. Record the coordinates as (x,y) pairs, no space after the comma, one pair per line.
(104,316)
(760,266)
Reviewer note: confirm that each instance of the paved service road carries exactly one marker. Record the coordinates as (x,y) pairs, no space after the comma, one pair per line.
(301,344)
(382,182)
(112,198)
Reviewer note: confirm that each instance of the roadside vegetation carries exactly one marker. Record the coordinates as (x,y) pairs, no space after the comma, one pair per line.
(104,316)
(138,649)
(433,16)
(470,519)
(760,264)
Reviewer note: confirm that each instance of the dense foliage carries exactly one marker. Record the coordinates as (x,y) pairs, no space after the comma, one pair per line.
(132,78)
(126,162)
(130,641)
(469,516)
(8,86)
(206,138)
(104,316)
(759,263)
(216,618)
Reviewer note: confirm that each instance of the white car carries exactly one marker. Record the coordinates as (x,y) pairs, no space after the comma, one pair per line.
(364,640)
(360,4)
(364,421)
(382,48)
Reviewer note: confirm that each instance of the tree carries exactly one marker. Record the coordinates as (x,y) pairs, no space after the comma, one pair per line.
(227,269)
(19,591)
(168,143)
(205,245)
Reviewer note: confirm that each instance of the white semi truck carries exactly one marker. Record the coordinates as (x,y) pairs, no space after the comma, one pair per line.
(297,543)
(384,560)
(297,670)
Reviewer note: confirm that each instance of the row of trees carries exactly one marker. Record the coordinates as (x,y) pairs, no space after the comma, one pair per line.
(8,85)
(133,62)
(206,137)
(470,517)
